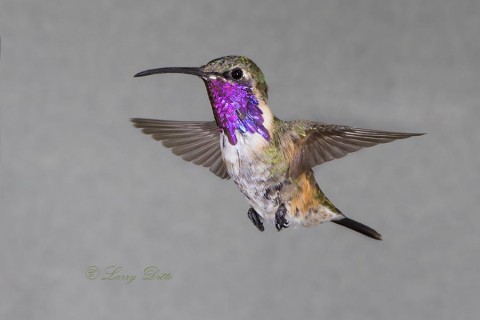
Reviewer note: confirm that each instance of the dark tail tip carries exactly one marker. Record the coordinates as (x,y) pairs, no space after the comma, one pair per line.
(359,227)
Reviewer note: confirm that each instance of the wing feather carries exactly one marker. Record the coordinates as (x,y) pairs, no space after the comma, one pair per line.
(320,142)
(194,141)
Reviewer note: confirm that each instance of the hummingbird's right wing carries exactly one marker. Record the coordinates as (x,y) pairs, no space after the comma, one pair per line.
(320,142)
(194,141)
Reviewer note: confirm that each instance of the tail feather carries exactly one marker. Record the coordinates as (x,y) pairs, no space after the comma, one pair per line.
(359,227)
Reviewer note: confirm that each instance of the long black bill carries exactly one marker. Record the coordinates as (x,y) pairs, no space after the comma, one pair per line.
(185,70)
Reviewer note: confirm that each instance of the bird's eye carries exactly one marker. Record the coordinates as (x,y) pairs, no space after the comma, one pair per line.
(237,73)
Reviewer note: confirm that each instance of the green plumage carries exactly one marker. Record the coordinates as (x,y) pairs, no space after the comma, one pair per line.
(275,175)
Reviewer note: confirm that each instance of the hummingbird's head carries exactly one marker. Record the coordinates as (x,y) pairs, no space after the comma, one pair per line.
(238,70)
(235,87)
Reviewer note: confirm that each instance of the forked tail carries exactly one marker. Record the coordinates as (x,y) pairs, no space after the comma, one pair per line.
(359,227)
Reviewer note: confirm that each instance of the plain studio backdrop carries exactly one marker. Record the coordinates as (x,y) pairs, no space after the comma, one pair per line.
(80,187)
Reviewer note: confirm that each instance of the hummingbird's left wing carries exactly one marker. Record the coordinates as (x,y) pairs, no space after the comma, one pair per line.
(320,142)
(194,141)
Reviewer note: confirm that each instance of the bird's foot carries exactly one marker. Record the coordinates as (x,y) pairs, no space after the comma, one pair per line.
(255,218)
(280,221)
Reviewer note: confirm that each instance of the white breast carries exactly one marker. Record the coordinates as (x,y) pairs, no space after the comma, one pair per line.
(250,172)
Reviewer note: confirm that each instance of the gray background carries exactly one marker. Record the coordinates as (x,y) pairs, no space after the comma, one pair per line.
(81,186)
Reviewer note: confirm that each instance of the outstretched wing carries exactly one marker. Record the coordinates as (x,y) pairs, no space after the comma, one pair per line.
(320,142)
(194,141)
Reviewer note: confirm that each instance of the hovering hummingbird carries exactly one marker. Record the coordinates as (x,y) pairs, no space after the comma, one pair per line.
(270,160)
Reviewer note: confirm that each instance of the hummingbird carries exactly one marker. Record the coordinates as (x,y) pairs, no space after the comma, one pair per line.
(270,160)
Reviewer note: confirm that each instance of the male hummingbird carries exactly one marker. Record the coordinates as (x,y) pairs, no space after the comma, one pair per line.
(270,160)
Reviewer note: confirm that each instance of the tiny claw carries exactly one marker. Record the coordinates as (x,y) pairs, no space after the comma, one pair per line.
(255,218)
(280,220)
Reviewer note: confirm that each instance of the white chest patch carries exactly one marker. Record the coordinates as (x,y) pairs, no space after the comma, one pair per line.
(251,173)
